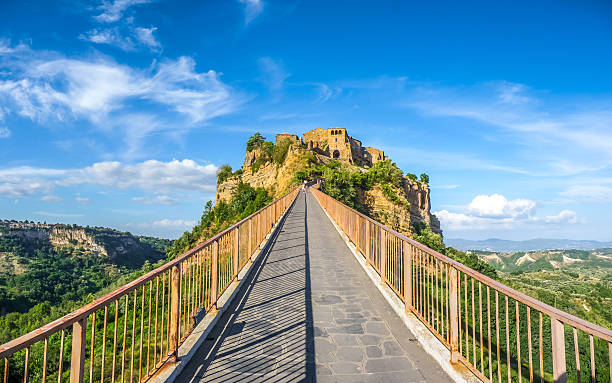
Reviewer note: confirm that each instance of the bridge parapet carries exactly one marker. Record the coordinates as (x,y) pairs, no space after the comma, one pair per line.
(479,320)
(132,332)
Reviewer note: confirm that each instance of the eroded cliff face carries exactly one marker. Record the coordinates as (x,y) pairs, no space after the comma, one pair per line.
(102,242)
(75,237)
(411,206)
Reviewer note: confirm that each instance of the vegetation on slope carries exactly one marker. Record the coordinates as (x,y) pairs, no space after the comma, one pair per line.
(246,200)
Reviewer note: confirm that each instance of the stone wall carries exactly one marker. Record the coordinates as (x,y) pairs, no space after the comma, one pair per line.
(336,143)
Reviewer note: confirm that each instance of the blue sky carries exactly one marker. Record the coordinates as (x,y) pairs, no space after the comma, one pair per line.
(118,113)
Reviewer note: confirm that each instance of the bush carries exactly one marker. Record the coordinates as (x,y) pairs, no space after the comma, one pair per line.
(386,172)
(425,178)
(279,151)
(224,172)
(411,176)
(255,140)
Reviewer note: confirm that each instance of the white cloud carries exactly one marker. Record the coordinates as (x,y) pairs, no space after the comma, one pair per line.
(5,47)
(82,200)
(145,36)
(153,176)
(455,221)
(109,36)
(113,10)
(511,93)
(126,38)
(14,187)
(157,200)
(50,198)
(273,72)
(595,193)
(173,224)
(4,132)
(252,9)
(486,212)
(565,216)
(175,96)
(497,206)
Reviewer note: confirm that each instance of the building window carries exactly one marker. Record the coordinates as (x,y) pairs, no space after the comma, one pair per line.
(336,139)
(336,154)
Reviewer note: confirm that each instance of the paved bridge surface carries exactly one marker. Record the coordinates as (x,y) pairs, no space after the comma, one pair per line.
(310,313)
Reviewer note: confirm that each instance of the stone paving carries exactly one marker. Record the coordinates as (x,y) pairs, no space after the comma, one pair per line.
(310,313)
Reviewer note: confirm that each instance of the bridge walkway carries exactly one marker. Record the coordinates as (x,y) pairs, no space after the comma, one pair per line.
(310,313)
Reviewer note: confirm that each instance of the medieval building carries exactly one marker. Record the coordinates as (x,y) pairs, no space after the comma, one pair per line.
(336,143)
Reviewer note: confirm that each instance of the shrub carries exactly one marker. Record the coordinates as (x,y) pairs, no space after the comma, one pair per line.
(411,176)
(224,172)
(279,151)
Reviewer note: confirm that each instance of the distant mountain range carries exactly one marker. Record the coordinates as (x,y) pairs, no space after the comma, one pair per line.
(502,245)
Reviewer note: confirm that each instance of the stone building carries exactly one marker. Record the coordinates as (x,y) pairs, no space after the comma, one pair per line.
(336,143)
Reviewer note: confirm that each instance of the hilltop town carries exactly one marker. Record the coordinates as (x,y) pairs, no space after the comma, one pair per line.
(274,166)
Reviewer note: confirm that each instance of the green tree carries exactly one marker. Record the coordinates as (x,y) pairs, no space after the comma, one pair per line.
(255,140)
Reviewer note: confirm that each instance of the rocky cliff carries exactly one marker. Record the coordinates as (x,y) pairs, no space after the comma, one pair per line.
(119,247)
(399,206)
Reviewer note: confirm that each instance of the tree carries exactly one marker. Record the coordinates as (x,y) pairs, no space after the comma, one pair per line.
(255,140)
(425,178)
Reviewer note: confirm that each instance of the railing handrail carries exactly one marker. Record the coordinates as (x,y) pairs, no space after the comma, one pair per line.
(67,320)
(563,316)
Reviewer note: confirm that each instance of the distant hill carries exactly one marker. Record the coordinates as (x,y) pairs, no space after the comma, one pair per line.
(502,245)
(55,263)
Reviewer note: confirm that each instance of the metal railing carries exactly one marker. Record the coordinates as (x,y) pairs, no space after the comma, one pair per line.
(467,311)
(128,334)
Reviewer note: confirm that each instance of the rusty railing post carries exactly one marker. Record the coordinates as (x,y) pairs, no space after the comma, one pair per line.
(558,350)
(453,316)
(367,238)
(215,275)
(407,277)
(175,315)
(383,255)
(236,250)
(250,239)
(77,361)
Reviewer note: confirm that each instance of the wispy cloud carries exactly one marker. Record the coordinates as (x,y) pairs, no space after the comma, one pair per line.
(157,200)
(50,198)
(113,10)
(57,215)
(146,37)
(592,193)
(580,126)
(152,176)
(273,73)
(4,132)
(252,9)
(173,223)
(82,200)
(47,87)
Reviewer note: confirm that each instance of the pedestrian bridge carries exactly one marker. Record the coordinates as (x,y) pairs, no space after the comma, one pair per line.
(308,289)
